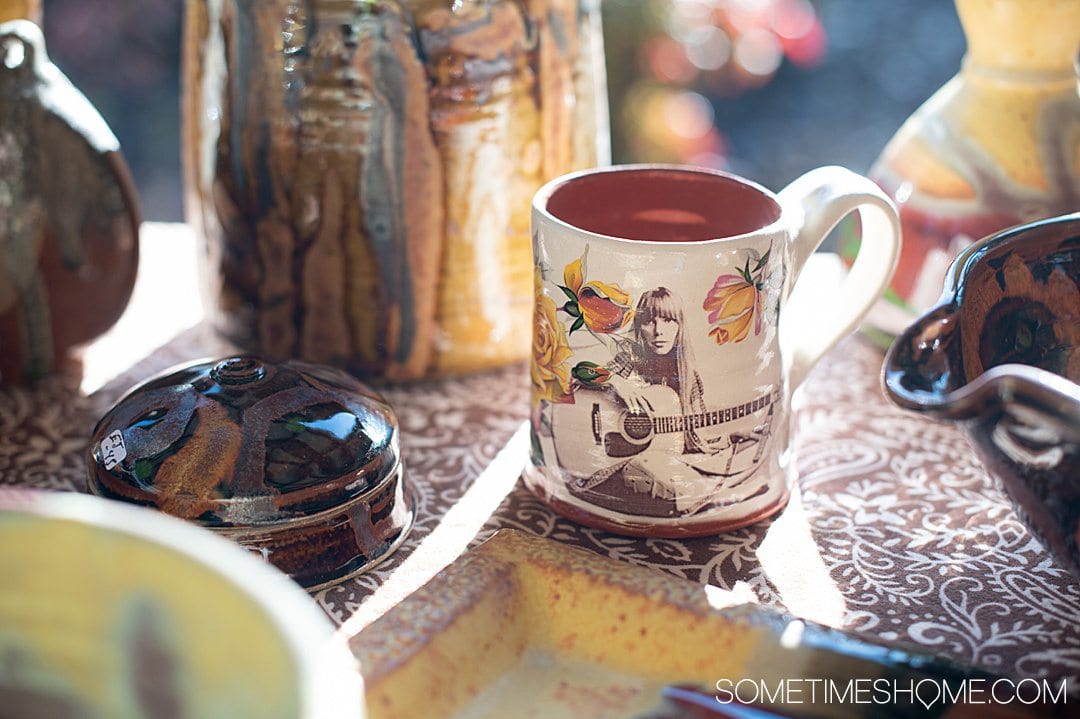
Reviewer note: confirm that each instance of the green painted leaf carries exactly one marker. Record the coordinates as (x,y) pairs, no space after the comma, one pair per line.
(764,259)
(537,451)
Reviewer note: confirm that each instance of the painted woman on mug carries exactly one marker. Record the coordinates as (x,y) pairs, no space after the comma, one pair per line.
(655,379)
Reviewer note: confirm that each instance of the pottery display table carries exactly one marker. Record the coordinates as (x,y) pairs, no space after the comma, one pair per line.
(893,531)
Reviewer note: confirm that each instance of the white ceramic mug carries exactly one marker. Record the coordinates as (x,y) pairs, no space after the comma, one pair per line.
(662,366)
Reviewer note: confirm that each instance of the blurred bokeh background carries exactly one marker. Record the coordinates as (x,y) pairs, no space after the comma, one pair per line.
(765,88)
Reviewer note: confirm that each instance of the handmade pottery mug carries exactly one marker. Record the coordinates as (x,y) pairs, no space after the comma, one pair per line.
(664,351)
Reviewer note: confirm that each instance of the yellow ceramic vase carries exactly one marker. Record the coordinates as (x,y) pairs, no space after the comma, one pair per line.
(998,145)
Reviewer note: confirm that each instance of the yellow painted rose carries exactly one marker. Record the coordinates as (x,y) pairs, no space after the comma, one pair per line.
(551,350)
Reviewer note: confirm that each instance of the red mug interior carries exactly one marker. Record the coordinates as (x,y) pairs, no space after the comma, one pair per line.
(662,204)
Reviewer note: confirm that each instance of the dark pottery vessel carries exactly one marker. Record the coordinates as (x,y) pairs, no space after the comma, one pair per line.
(69,219)
(1000,354)
(298,462)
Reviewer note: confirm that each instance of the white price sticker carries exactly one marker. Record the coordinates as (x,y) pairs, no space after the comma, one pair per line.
(113,449)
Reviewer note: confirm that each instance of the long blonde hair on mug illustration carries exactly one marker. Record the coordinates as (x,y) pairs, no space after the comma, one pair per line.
(661,303)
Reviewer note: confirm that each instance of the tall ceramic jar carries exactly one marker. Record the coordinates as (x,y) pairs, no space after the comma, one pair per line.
(361,170)
(999,144)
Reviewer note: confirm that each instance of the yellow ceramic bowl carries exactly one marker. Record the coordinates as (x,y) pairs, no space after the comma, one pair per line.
(109,610)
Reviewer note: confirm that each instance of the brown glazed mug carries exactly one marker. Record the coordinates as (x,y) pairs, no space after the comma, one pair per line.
(664,352)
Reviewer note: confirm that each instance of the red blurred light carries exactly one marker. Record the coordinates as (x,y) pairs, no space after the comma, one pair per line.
(664,58)
(808,50)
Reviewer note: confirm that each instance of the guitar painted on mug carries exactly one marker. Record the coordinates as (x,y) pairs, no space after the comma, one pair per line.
(599,430)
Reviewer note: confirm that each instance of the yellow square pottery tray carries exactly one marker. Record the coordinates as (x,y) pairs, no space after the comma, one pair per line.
(522,626)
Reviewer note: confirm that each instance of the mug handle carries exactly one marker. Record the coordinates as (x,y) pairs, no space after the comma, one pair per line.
(29,54)
(818,201)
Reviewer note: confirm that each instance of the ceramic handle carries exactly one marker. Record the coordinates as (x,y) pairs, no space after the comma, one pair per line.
(821,198)
(22,45)
(919,376)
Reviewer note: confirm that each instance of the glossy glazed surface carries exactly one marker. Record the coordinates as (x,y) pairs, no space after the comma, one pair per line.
(299,462)
(69,218)
(1001,355)
(361,173)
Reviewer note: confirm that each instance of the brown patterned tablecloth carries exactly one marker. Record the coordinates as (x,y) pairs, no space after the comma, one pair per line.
(894,530)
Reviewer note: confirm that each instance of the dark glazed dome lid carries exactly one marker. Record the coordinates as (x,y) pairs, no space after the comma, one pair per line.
(242,443)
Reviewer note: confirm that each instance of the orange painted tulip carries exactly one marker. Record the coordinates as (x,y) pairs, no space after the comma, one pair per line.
(733,305)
